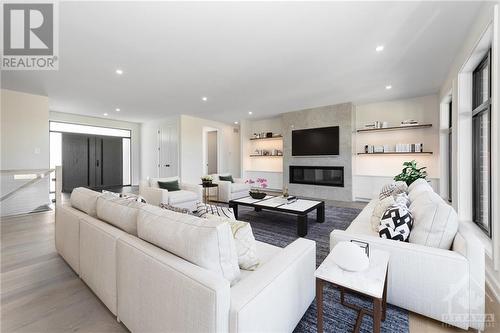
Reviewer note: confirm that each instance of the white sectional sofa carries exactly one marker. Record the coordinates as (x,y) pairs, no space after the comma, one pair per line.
(229,191)
(195,285)
(444,284)
(188,196)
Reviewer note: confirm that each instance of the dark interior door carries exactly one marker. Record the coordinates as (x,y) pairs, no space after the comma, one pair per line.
(111,161)
(91,161)
(75,161)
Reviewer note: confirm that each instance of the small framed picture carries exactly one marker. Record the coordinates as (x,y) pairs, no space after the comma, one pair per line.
(362,245)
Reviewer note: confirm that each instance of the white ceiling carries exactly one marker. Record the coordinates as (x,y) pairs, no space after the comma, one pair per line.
(263,57)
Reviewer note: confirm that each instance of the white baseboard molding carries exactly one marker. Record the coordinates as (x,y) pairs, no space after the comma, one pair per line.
(493,283)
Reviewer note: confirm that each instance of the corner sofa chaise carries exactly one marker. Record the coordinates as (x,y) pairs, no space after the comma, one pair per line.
(162,271)
(446,284)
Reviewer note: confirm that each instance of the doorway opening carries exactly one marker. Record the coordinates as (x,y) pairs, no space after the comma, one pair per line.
(210,151)
(91,156)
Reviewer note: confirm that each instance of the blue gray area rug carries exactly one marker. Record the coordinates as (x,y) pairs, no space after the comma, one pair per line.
(281,229)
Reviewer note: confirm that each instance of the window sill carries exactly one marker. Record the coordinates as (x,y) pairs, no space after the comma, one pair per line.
(474,229)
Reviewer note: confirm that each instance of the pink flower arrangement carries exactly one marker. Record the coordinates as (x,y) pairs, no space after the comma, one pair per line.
(261,182)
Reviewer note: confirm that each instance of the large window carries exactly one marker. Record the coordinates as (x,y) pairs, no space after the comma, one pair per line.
(481,145)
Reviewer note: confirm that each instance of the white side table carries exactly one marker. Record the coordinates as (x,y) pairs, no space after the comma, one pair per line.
(371,283)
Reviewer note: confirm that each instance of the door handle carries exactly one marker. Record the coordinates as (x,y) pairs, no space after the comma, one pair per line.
(97,162)
(167,165)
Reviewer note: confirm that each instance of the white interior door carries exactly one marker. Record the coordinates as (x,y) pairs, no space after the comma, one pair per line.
(168,155)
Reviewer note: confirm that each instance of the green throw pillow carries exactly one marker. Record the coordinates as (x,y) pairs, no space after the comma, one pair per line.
(170,186)
(227,178)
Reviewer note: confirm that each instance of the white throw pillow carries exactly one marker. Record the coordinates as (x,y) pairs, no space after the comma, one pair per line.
(402,199)
(379,210)
(205,243)
(416,183)
(244,240)
(120,212)
(435,221)
(392,189)
(419,189)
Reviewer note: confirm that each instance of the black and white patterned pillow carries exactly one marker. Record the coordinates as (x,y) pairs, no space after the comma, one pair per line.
(203,209)
(176,209)
(396,223)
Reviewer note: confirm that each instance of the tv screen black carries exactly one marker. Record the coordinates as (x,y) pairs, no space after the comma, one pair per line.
(315,141)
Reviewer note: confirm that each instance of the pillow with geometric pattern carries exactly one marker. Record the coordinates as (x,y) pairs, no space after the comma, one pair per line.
(393,189)
(396,223)
(202,210)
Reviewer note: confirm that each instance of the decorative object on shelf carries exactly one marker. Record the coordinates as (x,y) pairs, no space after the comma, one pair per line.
(206,180)
(411,172)
(398,148)
(256,186)
(392,128)
(350,257)
(285,192)
(385,124)
(269,134)
(409,122)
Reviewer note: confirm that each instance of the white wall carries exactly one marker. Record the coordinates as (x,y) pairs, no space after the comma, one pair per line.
(461,166)
(135,129)
(191,148)
(370,172)
(24,131)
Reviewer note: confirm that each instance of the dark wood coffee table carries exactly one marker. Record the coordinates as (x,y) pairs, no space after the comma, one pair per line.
(300,208)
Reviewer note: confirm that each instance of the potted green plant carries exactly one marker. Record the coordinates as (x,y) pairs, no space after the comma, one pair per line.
(411,172)
(207,180)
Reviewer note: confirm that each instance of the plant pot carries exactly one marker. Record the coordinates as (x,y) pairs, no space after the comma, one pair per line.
(206,182)
(257,195)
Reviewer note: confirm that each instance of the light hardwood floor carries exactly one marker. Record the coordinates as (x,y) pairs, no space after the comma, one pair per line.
(40,293)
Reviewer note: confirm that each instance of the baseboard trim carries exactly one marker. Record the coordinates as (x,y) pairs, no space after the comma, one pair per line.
(492,283)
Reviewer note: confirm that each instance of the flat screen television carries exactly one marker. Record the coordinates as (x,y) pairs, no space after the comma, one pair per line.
(315,141)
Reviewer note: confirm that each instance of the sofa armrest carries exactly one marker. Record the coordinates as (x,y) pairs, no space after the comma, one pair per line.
(439,278)
(192,188)
(275,297)
(154,196)
(239,180)
(224,190)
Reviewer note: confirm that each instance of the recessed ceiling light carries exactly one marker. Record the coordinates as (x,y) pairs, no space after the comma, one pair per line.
(379,48)
(388,87)
(105,114)
(204,99)
(117,110)
(119,71)
(236,123)
(250,112)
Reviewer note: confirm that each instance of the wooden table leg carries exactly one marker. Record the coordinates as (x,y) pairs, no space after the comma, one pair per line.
(235,209)
(319,305)
(377,314)
(384,299)
(302,225)
(320,213)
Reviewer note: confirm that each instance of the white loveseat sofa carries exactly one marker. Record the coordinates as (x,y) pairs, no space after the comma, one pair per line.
(444,284)
(229,191)
(151,289)
(188,196)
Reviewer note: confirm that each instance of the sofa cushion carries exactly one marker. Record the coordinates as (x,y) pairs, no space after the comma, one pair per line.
(436,222)
(228,178)
(85,200)
(239,187)
(419,189)
(396,223)
(361,224)
(265,252)
(153,182)
(205,243)
(175,209)
(181,196)
(203,210)
(171,186)
(120,212)
(416,183)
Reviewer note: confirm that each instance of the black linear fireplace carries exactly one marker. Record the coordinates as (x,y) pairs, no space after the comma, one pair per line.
(317,175)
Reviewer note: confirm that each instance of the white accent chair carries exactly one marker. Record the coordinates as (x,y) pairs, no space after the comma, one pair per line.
(229,191)
(188,196)
(110,243)
(443,284)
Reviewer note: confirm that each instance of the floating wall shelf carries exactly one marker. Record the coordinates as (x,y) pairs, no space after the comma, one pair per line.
(266,155)
(399,153)
(271,138)
(394,128)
